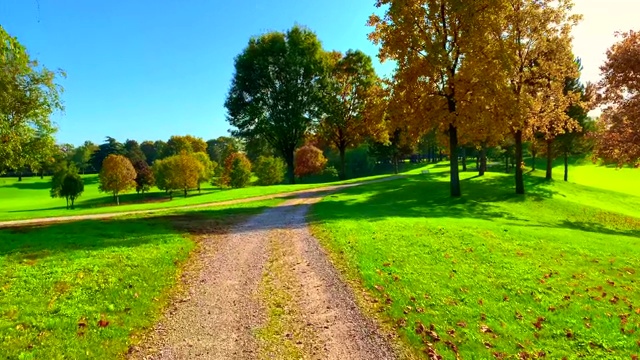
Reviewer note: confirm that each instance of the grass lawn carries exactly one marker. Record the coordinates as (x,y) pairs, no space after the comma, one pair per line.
(492,274)
(86,289)
(30,198)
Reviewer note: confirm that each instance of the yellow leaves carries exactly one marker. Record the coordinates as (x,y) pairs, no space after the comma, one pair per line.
(117,174)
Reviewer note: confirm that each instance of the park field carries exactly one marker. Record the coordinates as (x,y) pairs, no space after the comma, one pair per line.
(88,289)
(555,273)
(29,198)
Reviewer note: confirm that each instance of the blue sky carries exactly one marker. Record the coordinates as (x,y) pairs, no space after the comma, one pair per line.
(151,69)
(144,69)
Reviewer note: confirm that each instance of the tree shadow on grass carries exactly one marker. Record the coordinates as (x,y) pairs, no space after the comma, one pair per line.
(33,242)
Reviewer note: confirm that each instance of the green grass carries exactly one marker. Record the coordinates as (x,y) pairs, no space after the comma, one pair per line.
(556,271)
(30,198)
(57,282)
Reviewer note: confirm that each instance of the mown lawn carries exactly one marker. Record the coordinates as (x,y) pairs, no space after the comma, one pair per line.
(555,273)
(30,198)
(86,289)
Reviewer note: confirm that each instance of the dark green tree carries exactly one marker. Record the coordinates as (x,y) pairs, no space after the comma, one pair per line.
(110,147)
(275,91)
(133,152)
(149,150)
(72,187)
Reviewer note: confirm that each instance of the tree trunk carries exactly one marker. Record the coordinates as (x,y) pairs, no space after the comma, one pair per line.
(566,166)
(453,164)
(533,160)
(518,163)
(343,170)
(170,195)
(20,176)
(395,164)
(117,199)
(483,160)
(549,175)
(290,167)
(67,198)
(464,159)
(42,174)
(73,200)
(185,192)
(506,163)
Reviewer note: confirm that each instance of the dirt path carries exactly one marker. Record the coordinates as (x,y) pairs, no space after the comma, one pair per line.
(57,219)
(267,290)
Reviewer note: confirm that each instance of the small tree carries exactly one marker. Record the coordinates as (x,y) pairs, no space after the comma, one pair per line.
(309,161)
(117,176)
(72,188)
(237,171)
(208,167)
(178,172)
(144,176)
(270,170)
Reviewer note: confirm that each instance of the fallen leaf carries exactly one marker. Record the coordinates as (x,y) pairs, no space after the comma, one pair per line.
(480,302)
(82,323)
(402,322)
(462,324)
(499,355)
(452,346)
(483,317)
(387,264)
(451,332)
(505,298)
(518,315)
(552,308)
(524,355)
(420,328)
(485,329)
(614,299)
(612,283)
(433,335)
(103,323)
(569,334)
(379,287)
(487,345)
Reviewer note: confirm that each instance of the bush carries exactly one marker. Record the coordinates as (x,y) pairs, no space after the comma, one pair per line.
(72,188)
(309,160)
(269,170)
(237,171)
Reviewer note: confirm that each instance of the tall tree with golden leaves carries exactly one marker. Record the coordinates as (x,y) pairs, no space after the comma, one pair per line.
(618,140)
(437,46)
(534,44)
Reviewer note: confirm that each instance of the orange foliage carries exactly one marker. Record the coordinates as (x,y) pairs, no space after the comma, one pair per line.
(309,161)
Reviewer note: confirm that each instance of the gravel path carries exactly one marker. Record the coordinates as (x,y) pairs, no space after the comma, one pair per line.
(223,312)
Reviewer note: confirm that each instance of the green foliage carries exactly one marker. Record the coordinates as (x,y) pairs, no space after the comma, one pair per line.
(28,97)
(179,144)
(219,149)
(269,170)
(237,171)
(275,89)
(110,147)
(565,253)
(178,172)
(133,152)
(72,187)
(82,155)
(208,167)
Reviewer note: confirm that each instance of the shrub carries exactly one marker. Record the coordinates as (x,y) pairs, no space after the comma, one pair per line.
(72,188)
(237,171)
(269,170)
(309,160)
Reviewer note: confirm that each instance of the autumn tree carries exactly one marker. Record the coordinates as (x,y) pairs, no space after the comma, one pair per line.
(309,161)
(220,148)
(618,139)
(189,144)
(29,96)
(208,168)
(117,175)
(349,92)
(534,45)
(237,171)
(178,172)
(144,176)
(275,91)
(437,46)
(269,170)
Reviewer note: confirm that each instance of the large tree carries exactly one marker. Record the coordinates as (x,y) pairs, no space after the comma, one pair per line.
(533,44)
(618,140)
(218,149)
(275,90)
(349,101)
(437,45)
(149,150)
(187,143)
(133,152)
(28,97)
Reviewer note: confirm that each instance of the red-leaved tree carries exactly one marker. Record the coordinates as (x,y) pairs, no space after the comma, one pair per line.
(309,161)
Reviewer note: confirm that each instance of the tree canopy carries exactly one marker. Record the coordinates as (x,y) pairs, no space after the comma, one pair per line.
(275,90)
(29,95)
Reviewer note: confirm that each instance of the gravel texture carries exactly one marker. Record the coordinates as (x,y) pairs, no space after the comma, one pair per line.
(222,312)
